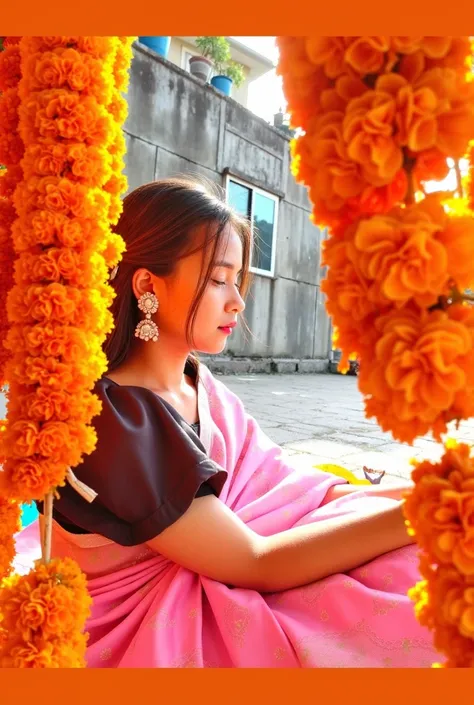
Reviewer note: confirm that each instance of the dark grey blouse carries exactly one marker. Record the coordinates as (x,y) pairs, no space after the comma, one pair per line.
(148,466)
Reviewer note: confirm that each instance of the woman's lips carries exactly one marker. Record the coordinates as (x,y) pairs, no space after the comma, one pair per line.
(227,330)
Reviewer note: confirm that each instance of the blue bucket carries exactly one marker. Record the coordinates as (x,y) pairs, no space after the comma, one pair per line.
(222,83)
(160,45)
(29,513)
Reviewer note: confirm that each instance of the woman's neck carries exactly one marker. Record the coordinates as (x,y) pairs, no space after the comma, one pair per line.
(158,366)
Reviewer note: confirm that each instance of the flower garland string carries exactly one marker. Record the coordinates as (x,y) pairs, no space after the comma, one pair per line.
(70,117)
(378,118)
(11,152)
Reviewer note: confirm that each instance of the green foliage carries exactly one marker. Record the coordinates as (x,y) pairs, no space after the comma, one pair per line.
(235,72)
(215,48)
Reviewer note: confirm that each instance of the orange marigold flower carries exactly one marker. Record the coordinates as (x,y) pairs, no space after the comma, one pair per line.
(455,119)
(406,45)
(63,114)
(10,69)
(422,360)
(23,438)
(55,265)
(47,370)
(456,234)
(118,107)
(43,613)
(41,44)
(9,104)
(10,180)
(368,55)
(11,148)
(442,603)
(9,526)
(122,60)
(440,508)
(436,47)
(457,56)
(114,247)
(369,133)
(45,70)
(46,404)
(43,303)
(380,199)
(328,52)
(99,47)
(33,477)
(401,254)
(334,176)
(415,111)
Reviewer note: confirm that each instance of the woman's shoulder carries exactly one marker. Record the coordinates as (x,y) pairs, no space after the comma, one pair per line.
(131,402)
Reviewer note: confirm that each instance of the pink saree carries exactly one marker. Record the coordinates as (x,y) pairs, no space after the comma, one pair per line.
(150,613)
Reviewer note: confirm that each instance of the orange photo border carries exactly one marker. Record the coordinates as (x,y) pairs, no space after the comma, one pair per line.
(236,686)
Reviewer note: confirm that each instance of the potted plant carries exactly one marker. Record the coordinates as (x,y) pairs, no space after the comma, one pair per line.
(160,45)
(228,73)
(214,50)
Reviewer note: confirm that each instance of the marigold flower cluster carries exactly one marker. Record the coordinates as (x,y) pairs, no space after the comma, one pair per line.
(42,617)
(377,118)
(66,202)
(11,152)
(440,514)
(67,111)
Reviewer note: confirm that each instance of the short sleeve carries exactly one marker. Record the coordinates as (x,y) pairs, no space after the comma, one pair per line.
(147,468)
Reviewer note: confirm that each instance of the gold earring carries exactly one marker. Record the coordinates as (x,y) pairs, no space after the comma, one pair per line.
(147,329)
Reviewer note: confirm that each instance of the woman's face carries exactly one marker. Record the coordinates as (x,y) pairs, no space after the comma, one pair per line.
(221,302)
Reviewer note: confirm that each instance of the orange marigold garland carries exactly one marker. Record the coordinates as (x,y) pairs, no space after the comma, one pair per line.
(43,615)
(440,512)
(11,152)
(377,118)
(71,114)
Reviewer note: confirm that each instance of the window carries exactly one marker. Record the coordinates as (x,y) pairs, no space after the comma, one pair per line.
(185,56)
(261,208)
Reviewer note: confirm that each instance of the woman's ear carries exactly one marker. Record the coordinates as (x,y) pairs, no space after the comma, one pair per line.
(144,281)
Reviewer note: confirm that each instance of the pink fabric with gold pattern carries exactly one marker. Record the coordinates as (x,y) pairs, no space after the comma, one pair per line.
(149,612)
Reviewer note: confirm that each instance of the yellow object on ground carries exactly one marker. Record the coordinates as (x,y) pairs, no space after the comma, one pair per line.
(342,472)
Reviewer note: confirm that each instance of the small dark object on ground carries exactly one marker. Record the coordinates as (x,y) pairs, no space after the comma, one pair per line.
(373,476)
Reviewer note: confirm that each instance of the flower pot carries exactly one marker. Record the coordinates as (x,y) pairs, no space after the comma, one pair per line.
(223,84)
(160,45)
(200,67)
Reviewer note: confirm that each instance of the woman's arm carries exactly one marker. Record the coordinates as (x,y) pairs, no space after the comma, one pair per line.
(393,491)
(211,540)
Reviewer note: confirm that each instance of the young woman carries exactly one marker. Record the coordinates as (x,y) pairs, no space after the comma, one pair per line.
(204,548)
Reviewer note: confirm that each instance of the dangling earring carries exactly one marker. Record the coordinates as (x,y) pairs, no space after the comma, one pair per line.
(147,329)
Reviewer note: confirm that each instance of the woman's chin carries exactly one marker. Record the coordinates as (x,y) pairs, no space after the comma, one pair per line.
(215,348)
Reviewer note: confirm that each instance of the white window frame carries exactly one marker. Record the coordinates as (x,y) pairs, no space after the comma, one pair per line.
(185,56)
(276,201)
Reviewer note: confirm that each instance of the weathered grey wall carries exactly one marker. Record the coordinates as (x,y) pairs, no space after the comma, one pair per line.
(178,125)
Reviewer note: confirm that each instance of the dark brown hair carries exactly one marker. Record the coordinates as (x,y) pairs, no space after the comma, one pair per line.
(159,224)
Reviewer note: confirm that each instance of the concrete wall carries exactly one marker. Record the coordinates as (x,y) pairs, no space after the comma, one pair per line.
(178,125)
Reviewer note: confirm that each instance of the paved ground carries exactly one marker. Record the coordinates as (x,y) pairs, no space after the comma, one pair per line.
(320,419)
